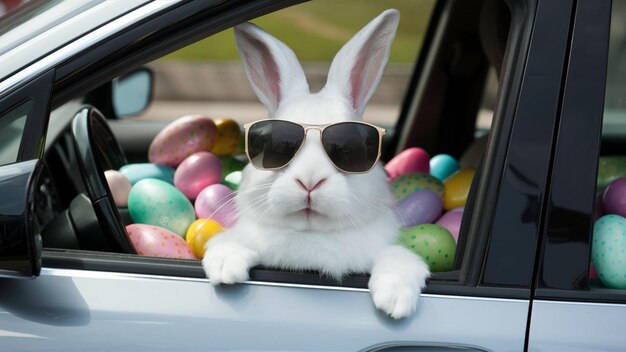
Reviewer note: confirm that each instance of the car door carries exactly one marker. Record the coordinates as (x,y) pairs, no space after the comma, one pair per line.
(570,311)
(113,301)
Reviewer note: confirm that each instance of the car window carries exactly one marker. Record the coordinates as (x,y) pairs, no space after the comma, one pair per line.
(207,78)
(608,268)
(11,129)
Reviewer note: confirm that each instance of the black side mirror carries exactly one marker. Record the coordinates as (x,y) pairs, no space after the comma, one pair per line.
(28,203)
(131,94)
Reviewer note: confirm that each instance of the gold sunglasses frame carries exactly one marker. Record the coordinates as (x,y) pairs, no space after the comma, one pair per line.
(321,128)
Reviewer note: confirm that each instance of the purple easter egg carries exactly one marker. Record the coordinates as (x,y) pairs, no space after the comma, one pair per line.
(614,198)
(216,202)
(422,207)
(452,222)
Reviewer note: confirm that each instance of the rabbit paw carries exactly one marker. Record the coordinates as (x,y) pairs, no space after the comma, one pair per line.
(229,263)
(394,297)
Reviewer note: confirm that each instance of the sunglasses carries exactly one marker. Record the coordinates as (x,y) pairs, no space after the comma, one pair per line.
(352,146)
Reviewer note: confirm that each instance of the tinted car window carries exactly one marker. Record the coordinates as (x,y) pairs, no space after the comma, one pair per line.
(11,130)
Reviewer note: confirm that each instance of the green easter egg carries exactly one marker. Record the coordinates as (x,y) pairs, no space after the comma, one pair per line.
(232,180)
(155,202)
(432,242)
(608,250)
(609,169)
(231,164)
(410,183)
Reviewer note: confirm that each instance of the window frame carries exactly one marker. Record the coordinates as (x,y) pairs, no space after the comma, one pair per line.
(563,271)
(187,22)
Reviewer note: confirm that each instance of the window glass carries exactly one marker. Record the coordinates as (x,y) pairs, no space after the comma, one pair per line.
(11,130)
(608,266)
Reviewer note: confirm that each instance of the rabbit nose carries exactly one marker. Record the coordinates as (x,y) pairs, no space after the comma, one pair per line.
(310,186)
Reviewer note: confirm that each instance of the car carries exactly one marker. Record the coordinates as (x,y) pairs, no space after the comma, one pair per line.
(70,276)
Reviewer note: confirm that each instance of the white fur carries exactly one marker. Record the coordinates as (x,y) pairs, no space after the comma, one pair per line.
(354,227)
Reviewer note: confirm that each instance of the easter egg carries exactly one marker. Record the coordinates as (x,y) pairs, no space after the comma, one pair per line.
(451,221)
(407,184)
(608,250)
(443,165)
(457,188)
(139,171)
(181,138)
(155,241)
(228,137)
(119,186)
(412,160)
(199,233)
(155,202)
(431,242)
(217,202)
(196,172)
(231,164)
(610,168)
(420,207)
(614,197)
(233,179)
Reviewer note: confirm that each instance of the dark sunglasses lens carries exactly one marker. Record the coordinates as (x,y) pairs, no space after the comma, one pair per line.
(272,144)
(352,147)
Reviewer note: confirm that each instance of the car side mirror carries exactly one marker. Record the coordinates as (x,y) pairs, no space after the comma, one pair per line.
(28,203)
(132,93)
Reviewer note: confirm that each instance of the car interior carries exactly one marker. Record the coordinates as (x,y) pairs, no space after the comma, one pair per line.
(452,83)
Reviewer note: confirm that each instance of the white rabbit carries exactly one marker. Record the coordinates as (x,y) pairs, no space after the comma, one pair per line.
(353,226)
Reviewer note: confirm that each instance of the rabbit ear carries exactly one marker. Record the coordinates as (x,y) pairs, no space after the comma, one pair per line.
(358,66)
(272,68)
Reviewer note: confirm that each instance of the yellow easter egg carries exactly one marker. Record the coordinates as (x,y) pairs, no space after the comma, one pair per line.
(228,137)
(200,232)
(456,188)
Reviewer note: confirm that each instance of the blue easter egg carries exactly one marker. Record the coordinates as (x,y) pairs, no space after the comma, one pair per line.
(608,251)
(138,172)
(442,166)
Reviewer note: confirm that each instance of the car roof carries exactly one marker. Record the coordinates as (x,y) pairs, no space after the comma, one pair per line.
(44,28)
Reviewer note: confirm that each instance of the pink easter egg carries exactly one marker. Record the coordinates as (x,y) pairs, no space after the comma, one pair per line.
(196,172)
(614,198)
(217,202)
(411,160)
(119,186)
(155,241)
(452,222)
(181,138)
(593,274)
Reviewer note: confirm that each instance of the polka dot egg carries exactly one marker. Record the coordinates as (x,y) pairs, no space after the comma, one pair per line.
(608,251)
(432,242)
(410,183)
(155,241)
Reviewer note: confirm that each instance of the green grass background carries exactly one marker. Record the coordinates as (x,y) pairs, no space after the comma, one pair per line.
(316,30)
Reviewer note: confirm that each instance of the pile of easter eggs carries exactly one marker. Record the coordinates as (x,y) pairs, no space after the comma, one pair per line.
(608,248)
(184,195)
(431,194)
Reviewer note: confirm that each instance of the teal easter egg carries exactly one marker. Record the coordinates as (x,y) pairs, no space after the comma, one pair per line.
(138,172)
(442,166)
(410,183)
(233,179)
(156,202)
(608,250)
(432,242)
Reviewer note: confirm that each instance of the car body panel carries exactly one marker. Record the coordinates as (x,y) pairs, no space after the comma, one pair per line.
(89,310)
(577,326)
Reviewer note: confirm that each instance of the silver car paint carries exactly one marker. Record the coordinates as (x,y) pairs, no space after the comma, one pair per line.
(75,46)
(74,310)
(577,326)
